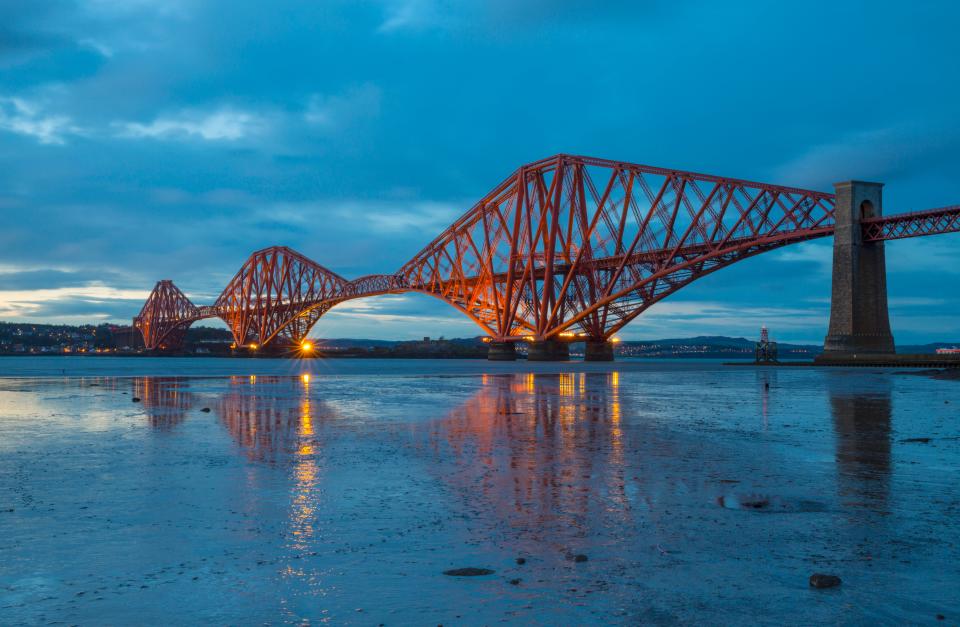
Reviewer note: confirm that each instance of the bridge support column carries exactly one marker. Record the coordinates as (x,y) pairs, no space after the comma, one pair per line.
(598,350)
(859,321)
(502,351)
(548,350)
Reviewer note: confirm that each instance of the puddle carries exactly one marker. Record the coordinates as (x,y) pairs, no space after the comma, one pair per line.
(768,504)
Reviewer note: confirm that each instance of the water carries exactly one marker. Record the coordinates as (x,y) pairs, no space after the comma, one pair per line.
(339,491)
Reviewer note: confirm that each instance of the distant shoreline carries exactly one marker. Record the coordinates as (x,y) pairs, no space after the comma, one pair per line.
(899,361)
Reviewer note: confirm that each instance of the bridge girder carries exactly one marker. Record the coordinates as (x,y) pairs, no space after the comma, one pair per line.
(565,244)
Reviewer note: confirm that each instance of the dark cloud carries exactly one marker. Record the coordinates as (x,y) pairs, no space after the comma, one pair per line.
(87,308)
(25,28)
(53,279)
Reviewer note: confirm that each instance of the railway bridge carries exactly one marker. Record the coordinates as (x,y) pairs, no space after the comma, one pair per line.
(573,248)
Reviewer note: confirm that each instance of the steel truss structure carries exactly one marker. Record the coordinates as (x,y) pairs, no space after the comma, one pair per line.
(564,246)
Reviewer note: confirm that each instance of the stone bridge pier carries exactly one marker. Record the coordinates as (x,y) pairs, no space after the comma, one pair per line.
(859,321)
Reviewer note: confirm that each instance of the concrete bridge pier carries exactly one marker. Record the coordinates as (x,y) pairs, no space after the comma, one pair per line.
(859,321)
(548,350)
(598,350)
(502,351)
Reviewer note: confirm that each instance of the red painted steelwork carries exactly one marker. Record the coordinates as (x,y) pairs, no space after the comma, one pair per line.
(563,245)
(914,224)
(165,316)
(278,292)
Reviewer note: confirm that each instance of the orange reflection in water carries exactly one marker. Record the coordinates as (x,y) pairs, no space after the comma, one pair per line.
(540,449)
(273,428)
(165,399)
(305,494)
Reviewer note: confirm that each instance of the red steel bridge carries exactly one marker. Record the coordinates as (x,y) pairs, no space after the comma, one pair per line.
(568,247)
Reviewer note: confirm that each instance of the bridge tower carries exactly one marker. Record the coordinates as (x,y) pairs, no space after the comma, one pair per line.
(859,321)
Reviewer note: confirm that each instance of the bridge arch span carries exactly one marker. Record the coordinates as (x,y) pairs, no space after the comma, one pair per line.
(564,244)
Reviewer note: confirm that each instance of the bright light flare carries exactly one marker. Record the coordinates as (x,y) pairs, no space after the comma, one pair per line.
(306,347)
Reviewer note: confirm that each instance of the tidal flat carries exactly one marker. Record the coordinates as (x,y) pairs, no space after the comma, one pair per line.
(166,491)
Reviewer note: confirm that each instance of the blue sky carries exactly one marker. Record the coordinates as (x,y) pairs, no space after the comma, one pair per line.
(143,139)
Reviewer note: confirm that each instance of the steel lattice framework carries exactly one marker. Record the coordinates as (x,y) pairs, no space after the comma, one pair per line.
(566,245)
(165,316)
(278,291)
(914,224)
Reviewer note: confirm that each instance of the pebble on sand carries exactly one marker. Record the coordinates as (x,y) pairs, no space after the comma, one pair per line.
(521,560)
(468,572)
(580,557)
(205,410)
(135,399)
(819,580)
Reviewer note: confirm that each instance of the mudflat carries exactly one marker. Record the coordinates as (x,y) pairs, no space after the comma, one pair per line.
(429,492)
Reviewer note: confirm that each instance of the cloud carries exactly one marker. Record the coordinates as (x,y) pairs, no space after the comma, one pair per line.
(413,15)
(27,279)
(876,154)
(98,301)
(497,15)
(22,117)
(97,46)
(819,254)
(387,217)
(114,8)
(339,111)
(224,124)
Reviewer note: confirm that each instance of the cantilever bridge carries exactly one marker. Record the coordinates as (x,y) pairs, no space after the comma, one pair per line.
(577,247)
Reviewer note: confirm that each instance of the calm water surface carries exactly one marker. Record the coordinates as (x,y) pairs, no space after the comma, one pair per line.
(269,491)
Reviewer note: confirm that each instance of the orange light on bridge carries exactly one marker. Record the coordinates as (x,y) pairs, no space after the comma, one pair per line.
(615,340)
(254,347)
(306,347)
(566,334)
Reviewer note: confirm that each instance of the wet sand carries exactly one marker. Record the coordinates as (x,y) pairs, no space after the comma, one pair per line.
(341,493)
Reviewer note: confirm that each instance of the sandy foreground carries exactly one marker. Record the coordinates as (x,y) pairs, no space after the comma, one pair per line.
(691,494)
